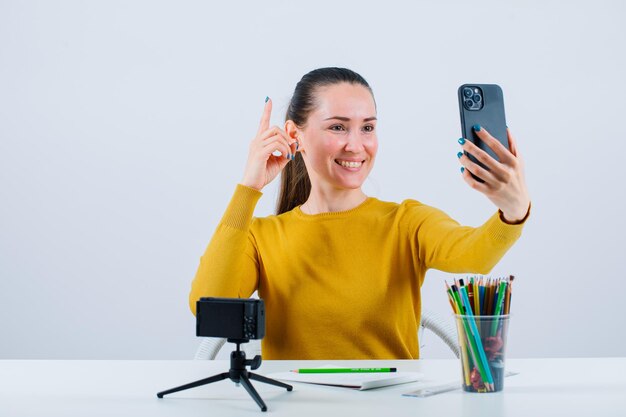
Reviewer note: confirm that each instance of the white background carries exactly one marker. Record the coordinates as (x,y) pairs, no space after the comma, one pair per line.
(124,127)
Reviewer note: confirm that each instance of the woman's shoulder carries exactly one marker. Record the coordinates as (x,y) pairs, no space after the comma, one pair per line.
(411,213)
(272,220)
(408,205)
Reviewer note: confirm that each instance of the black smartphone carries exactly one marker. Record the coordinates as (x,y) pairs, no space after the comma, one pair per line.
(482,104)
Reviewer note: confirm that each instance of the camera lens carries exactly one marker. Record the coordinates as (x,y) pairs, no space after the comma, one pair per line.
(476,98)
(469,104)
(467,92)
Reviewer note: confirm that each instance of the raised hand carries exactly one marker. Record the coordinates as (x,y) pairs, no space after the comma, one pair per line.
(262,165)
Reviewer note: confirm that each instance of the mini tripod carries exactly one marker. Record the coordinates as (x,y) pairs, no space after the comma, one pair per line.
(238,374)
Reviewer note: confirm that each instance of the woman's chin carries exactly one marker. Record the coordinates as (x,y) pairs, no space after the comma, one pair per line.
(352,183)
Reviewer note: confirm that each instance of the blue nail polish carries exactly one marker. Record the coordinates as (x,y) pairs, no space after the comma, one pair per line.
(288,156)
(461,141)
(476,128)
(462,170)
(460,154)
(293,157)
(297,145)
(266,98)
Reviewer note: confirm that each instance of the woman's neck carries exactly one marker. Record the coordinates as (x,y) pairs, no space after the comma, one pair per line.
(329,202)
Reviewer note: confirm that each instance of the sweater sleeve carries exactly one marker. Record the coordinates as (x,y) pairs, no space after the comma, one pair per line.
(229,266)
(446,245)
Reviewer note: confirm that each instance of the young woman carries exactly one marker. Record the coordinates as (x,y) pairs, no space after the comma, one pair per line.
(340,272)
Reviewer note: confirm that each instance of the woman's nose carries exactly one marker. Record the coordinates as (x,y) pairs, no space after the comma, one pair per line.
(354,143)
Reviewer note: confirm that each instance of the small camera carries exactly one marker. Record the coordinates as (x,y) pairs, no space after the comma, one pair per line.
(473,98)
(238,320)
(232,318)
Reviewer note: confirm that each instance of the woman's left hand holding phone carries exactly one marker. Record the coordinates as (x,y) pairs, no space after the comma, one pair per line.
(505,184)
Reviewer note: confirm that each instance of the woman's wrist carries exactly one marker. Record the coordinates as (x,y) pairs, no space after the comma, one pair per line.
(514,219)
(249,184)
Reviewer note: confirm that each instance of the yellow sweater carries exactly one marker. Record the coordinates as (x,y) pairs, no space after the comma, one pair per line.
(342,285)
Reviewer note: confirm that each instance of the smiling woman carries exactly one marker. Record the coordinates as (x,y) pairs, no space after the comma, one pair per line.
(338,145)
(341,272)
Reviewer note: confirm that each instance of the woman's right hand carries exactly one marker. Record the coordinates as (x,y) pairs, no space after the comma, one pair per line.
(262,166)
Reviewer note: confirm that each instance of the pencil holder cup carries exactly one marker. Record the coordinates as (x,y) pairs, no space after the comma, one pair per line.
(482,344)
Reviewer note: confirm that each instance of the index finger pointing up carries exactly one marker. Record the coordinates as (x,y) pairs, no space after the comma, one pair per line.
(265,119)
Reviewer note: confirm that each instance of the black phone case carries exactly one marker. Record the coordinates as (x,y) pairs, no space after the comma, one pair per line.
(490,117)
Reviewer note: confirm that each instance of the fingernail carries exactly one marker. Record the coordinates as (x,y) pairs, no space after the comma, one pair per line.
(293,157)
(266,98)
(461,141)
(297,145)
(462,170)
(288,156)
(476,128)
(460,154)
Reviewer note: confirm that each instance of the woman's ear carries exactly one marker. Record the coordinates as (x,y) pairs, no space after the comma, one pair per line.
(293,132)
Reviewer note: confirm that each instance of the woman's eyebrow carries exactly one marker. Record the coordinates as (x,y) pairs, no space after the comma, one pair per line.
(347,119)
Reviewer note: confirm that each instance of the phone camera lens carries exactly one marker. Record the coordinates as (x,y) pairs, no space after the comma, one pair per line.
(468,92)
(469,104)
(476,98)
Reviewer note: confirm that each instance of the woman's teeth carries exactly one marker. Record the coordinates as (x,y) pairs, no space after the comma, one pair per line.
(350,164)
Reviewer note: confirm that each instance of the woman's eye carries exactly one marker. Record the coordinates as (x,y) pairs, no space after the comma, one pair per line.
(336,128)
(369,128)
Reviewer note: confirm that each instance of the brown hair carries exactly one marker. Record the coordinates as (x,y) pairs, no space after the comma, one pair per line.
(295,185)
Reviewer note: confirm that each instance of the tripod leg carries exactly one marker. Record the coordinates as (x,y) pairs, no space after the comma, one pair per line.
(255,395)
(267,380)
(204,381)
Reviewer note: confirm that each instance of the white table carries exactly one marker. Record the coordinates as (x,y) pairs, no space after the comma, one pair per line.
(544,387)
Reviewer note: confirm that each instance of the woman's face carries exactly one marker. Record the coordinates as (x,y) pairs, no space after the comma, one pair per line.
(339,139)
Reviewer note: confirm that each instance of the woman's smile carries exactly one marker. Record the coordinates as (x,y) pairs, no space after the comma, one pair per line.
(350,164)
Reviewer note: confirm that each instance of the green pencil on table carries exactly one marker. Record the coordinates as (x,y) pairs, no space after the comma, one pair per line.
(342,370)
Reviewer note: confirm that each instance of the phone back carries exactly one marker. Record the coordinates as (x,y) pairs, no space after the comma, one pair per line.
(484,106)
